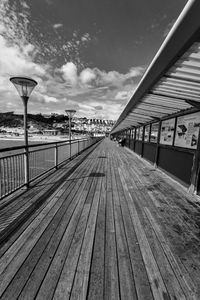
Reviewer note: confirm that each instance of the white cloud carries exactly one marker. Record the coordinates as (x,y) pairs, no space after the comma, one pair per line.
(122,95)
(85,38)
(55,26)
(87,76)
(24,4)
(49,99)
(69,71)
(86,91)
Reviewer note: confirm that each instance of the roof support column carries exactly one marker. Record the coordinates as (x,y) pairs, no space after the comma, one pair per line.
(157,146)
(134,139)
(143,133)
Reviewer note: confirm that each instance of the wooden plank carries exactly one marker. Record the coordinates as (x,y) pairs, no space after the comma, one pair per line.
(181,275)
(80,285)
(111,284)
(96,280)
(126,279)
(69,248)
(157,285)
(139,271)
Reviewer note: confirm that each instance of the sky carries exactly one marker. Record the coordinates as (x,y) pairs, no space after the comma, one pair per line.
(87,55)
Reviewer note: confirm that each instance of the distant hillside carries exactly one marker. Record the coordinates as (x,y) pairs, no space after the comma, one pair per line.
(13,120)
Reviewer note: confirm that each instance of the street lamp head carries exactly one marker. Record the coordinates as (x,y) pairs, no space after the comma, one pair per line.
(24,85)
(70,112)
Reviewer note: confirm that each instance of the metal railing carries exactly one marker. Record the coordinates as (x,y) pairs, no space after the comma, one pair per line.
(15,173)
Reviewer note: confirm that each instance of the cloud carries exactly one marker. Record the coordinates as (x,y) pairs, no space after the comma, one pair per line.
(95,78)
(90,91)
(98,107)
(55,26)
(122,95)
(69,71)
(49,99)
(85,38)
(87,76)
(24,4)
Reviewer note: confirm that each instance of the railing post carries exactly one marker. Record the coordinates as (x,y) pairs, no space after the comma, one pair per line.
(26,167)
(78,147)
(158,145)
(56,156)
(70,150)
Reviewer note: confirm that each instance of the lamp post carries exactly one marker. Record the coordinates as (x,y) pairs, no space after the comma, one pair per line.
(70,113)
(24,86)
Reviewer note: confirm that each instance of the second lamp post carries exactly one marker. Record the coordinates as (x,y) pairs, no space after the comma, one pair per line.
(70,113)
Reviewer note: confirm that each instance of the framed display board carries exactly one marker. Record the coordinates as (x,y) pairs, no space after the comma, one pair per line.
(187,131)
(167,132)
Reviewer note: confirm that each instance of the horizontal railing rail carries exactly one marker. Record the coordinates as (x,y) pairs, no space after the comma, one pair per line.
(42,158)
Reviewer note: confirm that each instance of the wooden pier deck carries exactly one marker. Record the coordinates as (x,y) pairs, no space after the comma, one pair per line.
(115,228)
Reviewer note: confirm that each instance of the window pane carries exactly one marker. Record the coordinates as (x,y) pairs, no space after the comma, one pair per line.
(141,133)
(146,134)
(154,132)
(137,133)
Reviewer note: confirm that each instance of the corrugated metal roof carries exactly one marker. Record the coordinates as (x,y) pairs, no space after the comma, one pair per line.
(171,83)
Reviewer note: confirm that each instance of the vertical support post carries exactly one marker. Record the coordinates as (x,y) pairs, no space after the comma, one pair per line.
(56,156)
(195,169)
(129,145)
(143,132)
(175,125)
(78,147)
(134,139)
(26,158)
(157,146)
(70,136)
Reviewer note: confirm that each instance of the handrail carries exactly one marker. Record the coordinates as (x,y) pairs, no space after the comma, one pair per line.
(37,145)
(44,158)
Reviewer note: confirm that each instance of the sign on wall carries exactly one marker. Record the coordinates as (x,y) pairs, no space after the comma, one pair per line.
(187,131)
(167,132)
(154,132)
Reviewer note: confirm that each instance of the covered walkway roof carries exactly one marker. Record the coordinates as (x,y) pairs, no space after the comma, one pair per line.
(171,82)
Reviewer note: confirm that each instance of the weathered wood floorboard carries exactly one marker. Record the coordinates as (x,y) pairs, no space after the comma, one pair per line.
(105,232)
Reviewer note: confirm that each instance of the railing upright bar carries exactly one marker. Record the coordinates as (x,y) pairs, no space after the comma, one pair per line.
(70,149)
(56,156)
(26,167)
(78,147)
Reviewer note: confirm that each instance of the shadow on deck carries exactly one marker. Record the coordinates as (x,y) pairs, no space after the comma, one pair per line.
(111,228)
